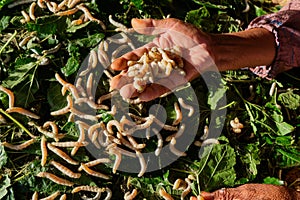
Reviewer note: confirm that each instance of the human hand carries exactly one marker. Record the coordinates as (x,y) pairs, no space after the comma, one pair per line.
(171,32)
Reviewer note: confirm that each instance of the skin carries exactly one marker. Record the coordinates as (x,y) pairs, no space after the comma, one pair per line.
(230,51)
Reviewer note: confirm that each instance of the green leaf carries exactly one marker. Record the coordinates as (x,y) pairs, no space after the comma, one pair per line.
(73,28)
(216,167)
(4,184)
(214,97)
(5,2)
(55,98)
(90,41)
(71,66)
(273,180)
(250,156)
(290,100)
(289,157)
(3,156)
(259,11)
(284,128)
(4,22)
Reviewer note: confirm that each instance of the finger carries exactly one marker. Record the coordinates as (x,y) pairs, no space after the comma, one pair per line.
(119,81)
(152,92)
(128,92)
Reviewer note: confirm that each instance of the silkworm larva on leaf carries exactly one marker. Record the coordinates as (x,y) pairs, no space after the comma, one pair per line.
(63,197)
(187,189)
(160,142)
(88,188)
(130,195)
(10,94)
(178,112)
(118,159)
(70,144)
(65,170)
(89,16)
(62,154)
(67,12)
(22,111)
(44,150)
(35,196)
(93,173)
(95,162)
(186,106)
(19,146)
(142,163)
(173,148)
(108,193)
(164,194)
(52,196)
(55,178)
(179,184)
(26,17)
(177,134)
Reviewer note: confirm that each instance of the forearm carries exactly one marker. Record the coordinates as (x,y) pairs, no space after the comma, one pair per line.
(248,48)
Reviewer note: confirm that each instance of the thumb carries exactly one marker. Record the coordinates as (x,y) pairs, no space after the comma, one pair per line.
(152,26)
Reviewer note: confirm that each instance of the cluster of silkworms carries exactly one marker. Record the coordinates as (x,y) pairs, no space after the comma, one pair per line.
(236,125)
(155,64)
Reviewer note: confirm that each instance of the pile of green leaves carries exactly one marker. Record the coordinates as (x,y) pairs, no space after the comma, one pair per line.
(268,144)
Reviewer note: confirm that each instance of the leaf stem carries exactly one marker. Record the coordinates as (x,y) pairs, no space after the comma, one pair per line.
(17,123)
(8,41)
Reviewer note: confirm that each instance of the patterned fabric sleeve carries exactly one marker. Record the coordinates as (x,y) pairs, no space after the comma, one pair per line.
(285,24)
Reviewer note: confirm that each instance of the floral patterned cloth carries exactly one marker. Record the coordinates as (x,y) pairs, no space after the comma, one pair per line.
(285,24)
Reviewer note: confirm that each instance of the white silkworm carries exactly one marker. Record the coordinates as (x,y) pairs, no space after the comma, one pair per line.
(80,88)
(177,134)
(67,12)
(10,94)
(187,189)
(52,6)
(44,151)
(52,196)
(117,24)
(188,107)
(205,133)
(19,146)
(63,197)
(174,150)
(88,188)
(130,195)
(72,3)
(70,144)
(93,173)
(62,154)
(81,126)
(70,88)
(210,141)
(35,196)
(115,123)
(62,4)
(26,17)
(90,17)
(236,125)
(41,4)
(63,169)
(102,55)
(272,89)
(55,179)
(124,121)
(91,103)
(96,197)
(42,60)
(118,159)
(54,135)
(17,3)
(93,128)
(179,184)
(134,143)
(178,112)
(106,96)
(22,111)
(142,163)
(31,11)
(59,79)
(146,124)
(95,162)
(160,142)
(89,86)
(164,194)
(65,109)
(52,125)
(25,40)
(117,51)
(108,194)
(52,50)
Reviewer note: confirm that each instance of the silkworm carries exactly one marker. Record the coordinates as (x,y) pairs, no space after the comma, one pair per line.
(164,194)
(26,17)
(124,121)
(83,115)
(19,146)
(177,134)
(174,150)
(52,6)
(117,51)
(130,195)
(235,123)
(178,112)
(52,196)
(108,193)
(95,162)
(205,133)
(80,88)
(59,79)
(52,50)
(210,141)
(187,189)
(52,125)
(10,94)
(96,197)
(53,135)
(55,178)
(25,41)
(146,124)
(42,60)
(88,188)
(63,197)
(90,17)
(72,3)
(142,163)
(134,143)
(70,88)
(115,23)
(91,103)
(272,89)
(114,123)
(179,184)
(93,173)
(35,196)
(41,4)
(89,85)
(102,55)
(62,154)
(77,22)
(31,11)
(81,126)
(63,169)
(62,111)
(44,151)
(106,96)
(158,122)
(17,3)
(118,159)
(67,12)
(159,142)
(93,128)
(22,111)
(70,144)
(62,4)
(188,107)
